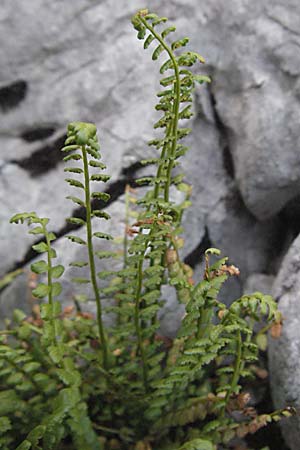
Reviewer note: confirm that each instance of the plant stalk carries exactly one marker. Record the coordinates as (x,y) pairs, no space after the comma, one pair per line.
(91,257)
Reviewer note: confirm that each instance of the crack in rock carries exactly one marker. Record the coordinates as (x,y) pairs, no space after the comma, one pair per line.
(224,137)
(44,158)
(12,94)
(37,133)
(196,256)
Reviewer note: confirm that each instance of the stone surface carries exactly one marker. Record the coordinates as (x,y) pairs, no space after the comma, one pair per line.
(259,282)
(256,87)
(19,193)
(284,353)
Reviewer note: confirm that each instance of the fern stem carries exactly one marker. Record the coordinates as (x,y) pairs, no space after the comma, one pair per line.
(49,271)
(174,131)
(203,322)
(49,278)
(175,105)
(137,323)
(162,162)
(236,373)
(91,257)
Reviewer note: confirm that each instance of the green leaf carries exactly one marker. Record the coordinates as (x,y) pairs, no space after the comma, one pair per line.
(36,230)
(157,52)
(262,341)
(101,196)
(52,253)
(25,445)
(148,41)
(168,31)
(69,377)
(166,66)
(100,177)
(74,156)
(179,43)
(101,235)
(213,251)
(74,183)
(168,80)
(5,425)
(41,291)
(94,153)
(159,20)
(36,434)
(18,316)
(94,144)
(48,311)
(76,239)
(98,164)
(151,16)
(76,221)
(101,214)
(31,366)
(144,180)
(105,254)
(78,264)
(56,353)
(56,289)
(51,236)
(202,79)
(198,444)
(21,217)
(76,200)
(41,247)
(81,280)
(69,148)
(39,267)
(9,402)
(141,34)
(73,169)
(8,278)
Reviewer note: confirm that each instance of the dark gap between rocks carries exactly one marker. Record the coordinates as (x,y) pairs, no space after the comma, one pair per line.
(37,133)
(12,94)
(43,159)
(224,137)
(270,435)
(288,230)
(196,255)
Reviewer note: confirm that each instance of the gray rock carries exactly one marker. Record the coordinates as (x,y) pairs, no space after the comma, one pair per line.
(284,357)
(19,193)
(259,282)
(257,98)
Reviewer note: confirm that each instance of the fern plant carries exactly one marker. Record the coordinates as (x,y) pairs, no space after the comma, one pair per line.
(67,381)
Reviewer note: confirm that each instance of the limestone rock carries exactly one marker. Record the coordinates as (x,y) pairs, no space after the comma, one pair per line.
(259,282)
(21,193)
(256,87)
(284,353)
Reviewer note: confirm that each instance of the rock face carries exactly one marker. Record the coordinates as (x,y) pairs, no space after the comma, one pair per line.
(284,358)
